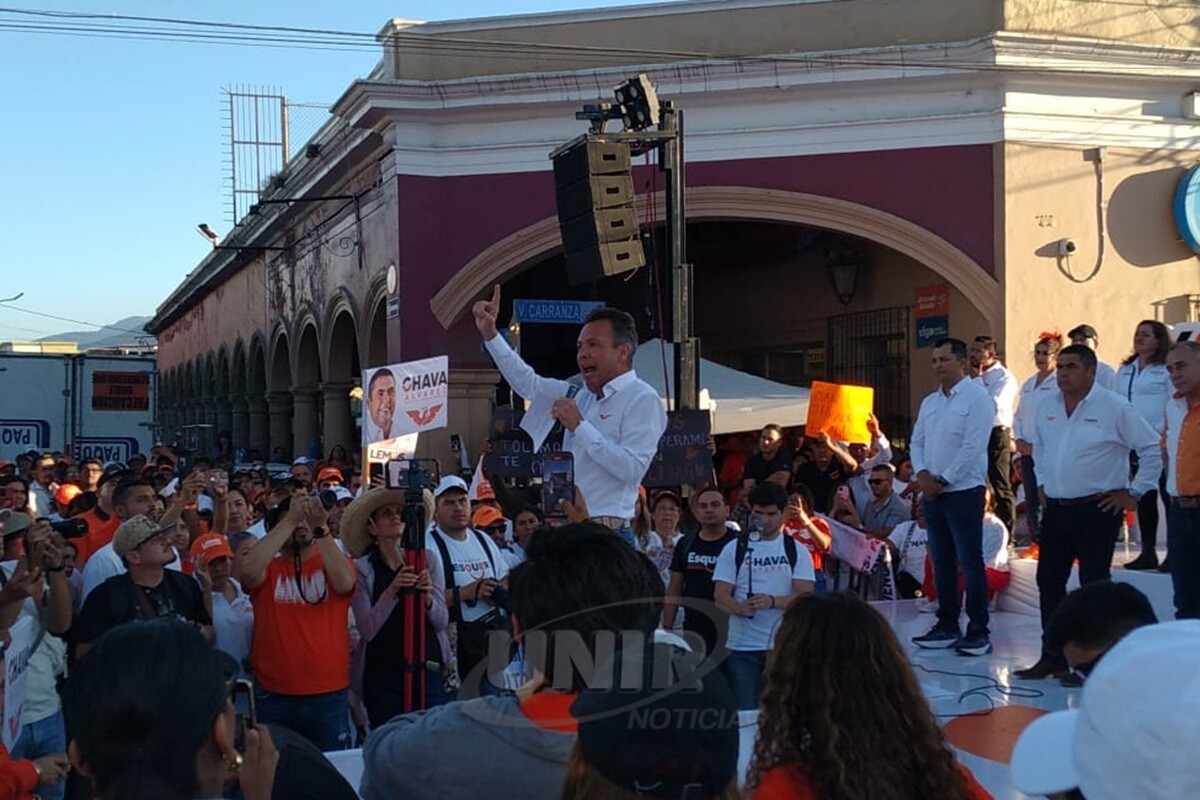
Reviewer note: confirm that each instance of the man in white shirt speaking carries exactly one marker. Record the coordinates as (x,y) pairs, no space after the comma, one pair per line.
(1082,437)
(613,428)
(949,455)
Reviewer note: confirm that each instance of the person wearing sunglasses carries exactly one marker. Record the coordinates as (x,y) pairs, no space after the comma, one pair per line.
(489,520)
(1090,620)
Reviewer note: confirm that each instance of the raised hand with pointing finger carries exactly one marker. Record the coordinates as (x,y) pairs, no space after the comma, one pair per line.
(486,312)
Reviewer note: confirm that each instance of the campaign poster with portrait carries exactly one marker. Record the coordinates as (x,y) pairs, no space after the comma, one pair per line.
(399,402)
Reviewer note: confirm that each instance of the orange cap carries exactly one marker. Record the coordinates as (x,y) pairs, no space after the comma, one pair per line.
(484,491)
(331,474)
(485,516)
(210,547)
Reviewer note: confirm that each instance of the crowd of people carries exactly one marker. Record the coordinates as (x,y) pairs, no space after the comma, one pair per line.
(159,586)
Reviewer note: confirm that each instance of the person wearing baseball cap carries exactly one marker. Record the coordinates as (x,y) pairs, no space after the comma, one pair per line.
(1086,335)
(330,477)
(1129,737)
(302,470)
(232,613)
(475,570)
(491,521)
(147,590)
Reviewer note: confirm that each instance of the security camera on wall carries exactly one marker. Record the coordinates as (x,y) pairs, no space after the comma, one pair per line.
(1067,247)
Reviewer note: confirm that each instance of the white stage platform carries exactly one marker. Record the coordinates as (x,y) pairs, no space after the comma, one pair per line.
(1021,594)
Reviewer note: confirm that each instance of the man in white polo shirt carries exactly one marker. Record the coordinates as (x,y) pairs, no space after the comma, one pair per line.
(613,428)
(1002,385)
(949,455)
(1082,437)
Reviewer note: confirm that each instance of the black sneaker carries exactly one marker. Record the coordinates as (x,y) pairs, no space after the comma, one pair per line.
(1043,669)
(938,638)
(974,644)
(1147,560)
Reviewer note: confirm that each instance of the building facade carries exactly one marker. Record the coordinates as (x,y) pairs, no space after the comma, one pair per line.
(1017,158)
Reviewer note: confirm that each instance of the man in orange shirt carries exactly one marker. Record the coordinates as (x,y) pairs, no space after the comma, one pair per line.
(103,519)
(1182,436)
(301,586)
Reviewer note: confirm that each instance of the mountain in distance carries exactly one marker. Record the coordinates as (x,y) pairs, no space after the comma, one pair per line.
(106,337)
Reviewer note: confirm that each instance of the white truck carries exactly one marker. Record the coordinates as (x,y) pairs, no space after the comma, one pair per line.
(90,405)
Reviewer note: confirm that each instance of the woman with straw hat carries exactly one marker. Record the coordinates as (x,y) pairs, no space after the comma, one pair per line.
(372,527)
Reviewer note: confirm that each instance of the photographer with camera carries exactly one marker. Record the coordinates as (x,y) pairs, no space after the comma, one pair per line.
(33,567)
(372,529)
(301,585)
(476,574)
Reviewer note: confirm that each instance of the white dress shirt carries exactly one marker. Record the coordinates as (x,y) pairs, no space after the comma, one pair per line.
(1032,393)
(616,440)
(1087,452)
(950,438)
(1148,388)
(1106,376)
(1001,384)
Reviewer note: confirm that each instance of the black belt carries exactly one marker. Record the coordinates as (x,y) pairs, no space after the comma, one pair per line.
(1088,500)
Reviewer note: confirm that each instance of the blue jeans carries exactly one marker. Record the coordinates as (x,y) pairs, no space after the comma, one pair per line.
(744,671)
(954,521)
(1183,543)
(42,738)
(323,719)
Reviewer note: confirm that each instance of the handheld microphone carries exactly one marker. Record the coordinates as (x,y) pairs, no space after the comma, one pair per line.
(572,390)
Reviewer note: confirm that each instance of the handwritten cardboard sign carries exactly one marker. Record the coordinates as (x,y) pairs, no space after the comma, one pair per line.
(840,410)
(16,664)
(512,454)
(682,458)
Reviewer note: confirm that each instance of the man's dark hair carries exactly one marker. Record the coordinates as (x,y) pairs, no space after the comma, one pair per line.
(1098,616)
(888,468)
(379,373)
(530,508)
(125,487)
(958,348)
(1086,354)
(88,461)
(21,479)
(988,342)
(238,490)
(772,427)
(1084,331)
(114,475)
(624,329)
(768,493)
(585,579)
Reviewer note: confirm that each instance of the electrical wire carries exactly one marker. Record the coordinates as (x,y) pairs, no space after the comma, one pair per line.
(983,690)
(73,321)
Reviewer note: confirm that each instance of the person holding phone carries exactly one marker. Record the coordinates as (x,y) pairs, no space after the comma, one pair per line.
(612,429)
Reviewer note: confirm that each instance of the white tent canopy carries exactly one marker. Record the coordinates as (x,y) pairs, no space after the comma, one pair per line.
(742,402)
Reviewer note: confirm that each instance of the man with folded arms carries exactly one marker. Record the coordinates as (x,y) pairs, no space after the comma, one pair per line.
(1083,436)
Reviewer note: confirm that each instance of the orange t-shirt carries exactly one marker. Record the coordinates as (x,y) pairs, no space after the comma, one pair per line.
(790,783)
(802,535)
(300,648)
(101,528)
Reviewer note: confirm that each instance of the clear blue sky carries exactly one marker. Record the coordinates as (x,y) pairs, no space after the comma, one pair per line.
(112,149)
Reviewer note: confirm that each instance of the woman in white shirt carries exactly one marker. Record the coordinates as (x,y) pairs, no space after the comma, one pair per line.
(1143,380)
(1039,385)
(666,510)
(232,613)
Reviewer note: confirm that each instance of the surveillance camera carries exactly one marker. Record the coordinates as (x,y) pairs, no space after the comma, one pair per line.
(1067,247)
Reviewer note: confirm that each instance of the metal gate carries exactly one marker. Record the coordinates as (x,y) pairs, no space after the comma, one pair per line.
(871,349)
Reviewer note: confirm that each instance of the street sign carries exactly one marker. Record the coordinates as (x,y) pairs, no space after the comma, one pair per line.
(554,312)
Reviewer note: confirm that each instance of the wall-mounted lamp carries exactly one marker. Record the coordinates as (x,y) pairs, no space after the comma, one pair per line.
(843,276)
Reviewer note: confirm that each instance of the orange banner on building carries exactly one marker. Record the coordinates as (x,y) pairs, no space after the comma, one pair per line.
(840,410)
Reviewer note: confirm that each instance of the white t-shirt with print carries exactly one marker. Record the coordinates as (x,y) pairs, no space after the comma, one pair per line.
(470,563)
(766,564)
(918,546)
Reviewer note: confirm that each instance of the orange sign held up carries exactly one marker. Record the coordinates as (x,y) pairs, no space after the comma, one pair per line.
(840,410)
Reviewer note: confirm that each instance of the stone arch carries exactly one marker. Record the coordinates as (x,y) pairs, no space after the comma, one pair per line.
(510,255)
(237,370)
(306,412)
(258,434)
(375,344)
(279,385)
